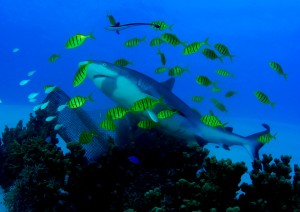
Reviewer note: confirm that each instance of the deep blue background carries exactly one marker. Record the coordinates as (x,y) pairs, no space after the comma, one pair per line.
(256,32)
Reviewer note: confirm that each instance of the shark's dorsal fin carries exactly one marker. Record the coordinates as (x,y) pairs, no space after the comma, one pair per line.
(169,83)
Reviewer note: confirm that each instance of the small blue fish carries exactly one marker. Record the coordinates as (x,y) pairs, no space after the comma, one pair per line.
(134,160)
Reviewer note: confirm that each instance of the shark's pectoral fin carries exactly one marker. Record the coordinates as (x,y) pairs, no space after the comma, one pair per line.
(200,141)
(226,147)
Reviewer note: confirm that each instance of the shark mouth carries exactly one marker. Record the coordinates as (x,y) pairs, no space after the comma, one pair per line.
(100,76)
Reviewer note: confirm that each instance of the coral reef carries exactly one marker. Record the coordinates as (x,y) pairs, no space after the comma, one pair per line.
(272,188)
(171,176)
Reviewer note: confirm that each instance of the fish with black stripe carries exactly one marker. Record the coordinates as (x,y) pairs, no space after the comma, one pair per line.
(263,98)
(77,40)
(211,54)
(172,39)
(156,41)
(194,47)
(111,19)
(134,42)
(116,113)
(162,25)
(162,57)
(276,67)
(223,50)
(266,138)
(81,74)
(123,62)
(219,105)
(78,101)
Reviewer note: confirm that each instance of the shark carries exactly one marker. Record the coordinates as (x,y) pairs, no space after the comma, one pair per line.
(126,86)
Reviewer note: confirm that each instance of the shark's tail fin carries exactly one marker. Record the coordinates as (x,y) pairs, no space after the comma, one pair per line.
(254,146)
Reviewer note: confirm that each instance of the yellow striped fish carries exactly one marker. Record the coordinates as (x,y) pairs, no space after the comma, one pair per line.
(108,124)
(123,62)
(164,114)
(212,121)
(116,113)
(162,57)
(204,80)
(162,25)
(223,50)
(219,105)
(156,42)
(134,42)
(230,93)
(78,40)
(171,39)
(160,70)
(81,74)
(224,73)
(263,98)
(197,99)
(266,138)
(86,137)
(111,19)
(147,124)
(53,58)
(177,71)
(276,67)
(146,103)
(194,47)
(78,101)
(211,54)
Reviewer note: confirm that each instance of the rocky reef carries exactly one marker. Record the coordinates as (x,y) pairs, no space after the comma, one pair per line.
(169,176)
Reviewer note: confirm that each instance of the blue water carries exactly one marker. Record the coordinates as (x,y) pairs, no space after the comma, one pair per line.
(256,32)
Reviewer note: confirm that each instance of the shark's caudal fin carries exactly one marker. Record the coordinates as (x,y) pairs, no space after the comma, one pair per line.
(254,146)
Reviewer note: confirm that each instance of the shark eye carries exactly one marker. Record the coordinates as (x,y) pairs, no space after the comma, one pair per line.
(104,64)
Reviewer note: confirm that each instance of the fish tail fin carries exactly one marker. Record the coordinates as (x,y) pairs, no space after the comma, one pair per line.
(205,42)
(90,97)
(221,58)
(253,146)
(285,75)
(186,69)
(184,44)
(131,63)
(159,52)
(230,57)
(273,104)
(215,84)
(144,39)
(92,36)
(274,136)
(232,75)
(170,27)
(224,124)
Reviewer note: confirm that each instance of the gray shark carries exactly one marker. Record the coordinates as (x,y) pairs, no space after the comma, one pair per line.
(126,86)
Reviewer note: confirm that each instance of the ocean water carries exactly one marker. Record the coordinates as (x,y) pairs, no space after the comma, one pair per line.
(256,32)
